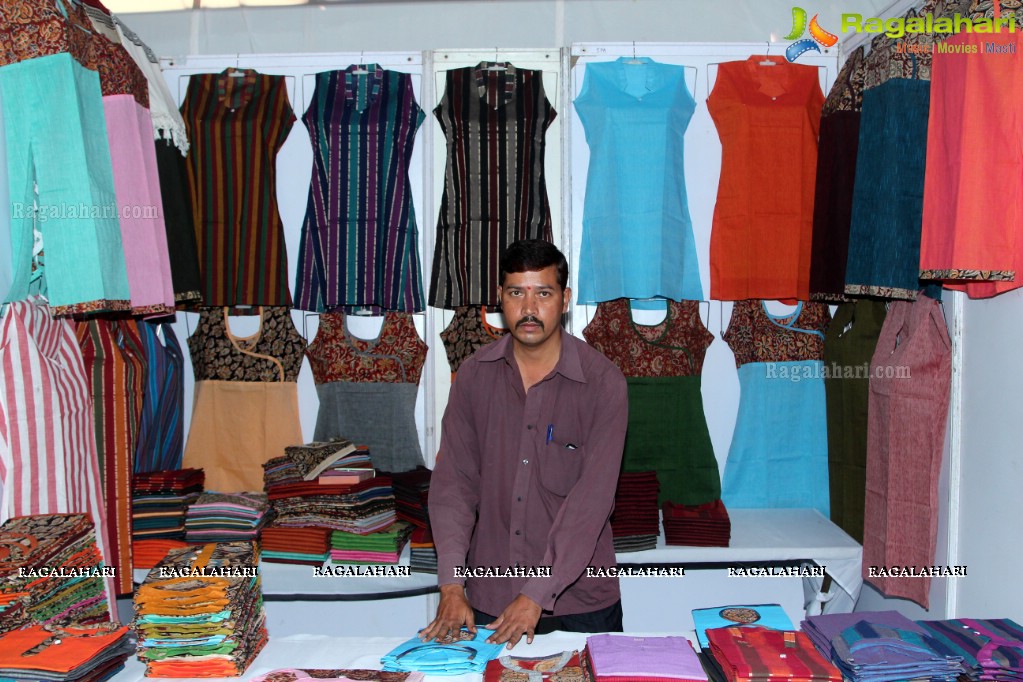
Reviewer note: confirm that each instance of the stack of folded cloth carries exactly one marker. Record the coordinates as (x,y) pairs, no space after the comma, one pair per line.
(382,547)
(361,508)
(617,658)
(309,546)
(51,571)
(226,517)
(463,653)
(701,525)
(199,613)
(148,553)
(990,649)
(411,492)
(561,667)
(336,675)
(159,500)
(634,522)
(422,553)
(307,462)
(876,646)
(753,653)
(66,653)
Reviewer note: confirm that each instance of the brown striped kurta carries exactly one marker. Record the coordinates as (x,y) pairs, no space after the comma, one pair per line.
(495,191)
(115,364)
(237,124)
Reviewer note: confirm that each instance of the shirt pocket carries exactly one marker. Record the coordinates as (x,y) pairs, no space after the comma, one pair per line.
(560,467)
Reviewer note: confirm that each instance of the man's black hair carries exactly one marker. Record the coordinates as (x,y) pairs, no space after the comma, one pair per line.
(531,255)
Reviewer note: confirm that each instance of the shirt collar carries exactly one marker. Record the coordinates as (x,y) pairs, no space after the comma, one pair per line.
(569,364)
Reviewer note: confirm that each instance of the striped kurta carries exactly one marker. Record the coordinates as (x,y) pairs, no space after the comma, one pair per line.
(115,363)
(161,440)
(359,241)
(236,126)
(495,191)
(50,464)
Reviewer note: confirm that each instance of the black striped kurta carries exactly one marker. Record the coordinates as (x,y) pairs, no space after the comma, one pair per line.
(495,191)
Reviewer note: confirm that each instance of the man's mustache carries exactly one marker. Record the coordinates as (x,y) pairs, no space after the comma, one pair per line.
(529,319)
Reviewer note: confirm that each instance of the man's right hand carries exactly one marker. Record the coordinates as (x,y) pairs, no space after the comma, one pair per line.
(453,612)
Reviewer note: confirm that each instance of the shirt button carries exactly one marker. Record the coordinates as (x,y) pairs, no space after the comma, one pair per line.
(520,499)
(518,532)
(529,427)
(525,461)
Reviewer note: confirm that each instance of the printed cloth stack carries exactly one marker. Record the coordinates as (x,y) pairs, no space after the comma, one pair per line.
(635,521)
(51,571)
(159,502)
(457,655)
(336,675)
(621,658)
(700,525)
(226,517)
(754,653)
(563,667)
(199,613)
(307,462)
(411,493)
(361,508)
(422,552)
(65,653)
(382,547)
(991,649)
(306,546)
(877,646)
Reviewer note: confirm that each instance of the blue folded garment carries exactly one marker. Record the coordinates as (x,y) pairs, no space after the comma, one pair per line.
(463,655)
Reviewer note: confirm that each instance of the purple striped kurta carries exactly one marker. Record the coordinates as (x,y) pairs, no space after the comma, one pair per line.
(359,244)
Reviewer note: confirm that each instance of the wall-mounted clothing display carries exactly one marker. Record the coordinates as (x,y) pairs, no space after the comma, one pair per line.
(973,235)
(911,379)
(116,365)
(494,117)
(848,347)
(635,112)
(836,173)
(663,364)
(779,451)
(246,397)
(467,332)
(768,118)
(367,388)
(161,431)
(359,245)
(237,121)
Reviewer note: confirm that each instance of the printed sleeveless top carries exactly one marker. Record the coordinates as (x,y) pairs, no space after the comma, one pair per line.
(754,337)
(467,332)
(274,353)
(396,356)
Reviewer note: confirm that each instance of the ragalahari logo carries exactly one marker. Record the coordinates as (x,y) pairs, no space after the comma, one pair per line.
(818,36)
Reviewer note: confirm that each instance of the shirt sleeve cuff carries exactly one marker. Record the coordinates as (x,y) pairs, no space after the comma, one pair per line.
(543,590)
(446,575)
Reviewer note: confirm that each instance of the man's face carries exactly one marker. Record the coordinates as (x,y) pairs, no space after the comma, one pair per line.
(533,303)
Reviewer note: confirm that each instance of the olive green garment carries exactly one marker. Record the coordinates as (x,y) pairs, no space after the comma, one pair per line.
(848,347)
(668,434)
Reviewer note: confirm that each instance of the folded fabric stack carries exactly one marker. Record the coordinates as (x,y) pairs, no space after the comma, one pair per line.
(767,615)
(634,522)
(148,553)
(876,646)
(990,649)
(754,653)
(226,517)
(617,658)
(65,653)
(562,667)
(199,613)
(701,525)
(307,546)
(463,653)
(422,553)
(336,675)
(51,571)
(411,493)
(360,508)
(381,547)
(307,462)
(159,500)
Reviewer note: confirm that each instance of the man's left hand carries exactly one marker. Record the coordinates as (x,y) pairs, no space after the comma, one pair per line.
(521,616)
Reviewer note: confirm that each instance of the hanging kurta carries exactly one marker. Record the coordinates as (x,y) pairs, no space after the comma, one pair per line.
(359,246)
(635,113)
(910,385)
(768,119)
(367,388)
(662,364)
(848,348)
(115,362)
(161,432)
(494,118)
(467,332)
(779,451)
(237,124)
(246,398)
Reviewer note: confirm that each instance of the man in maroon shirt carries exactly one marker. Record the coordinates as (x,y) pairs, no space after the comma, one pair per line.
(531,446)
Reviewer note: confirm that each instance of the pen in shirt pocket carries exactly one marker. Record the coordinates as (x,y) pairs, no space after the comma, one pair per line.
(550,439)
